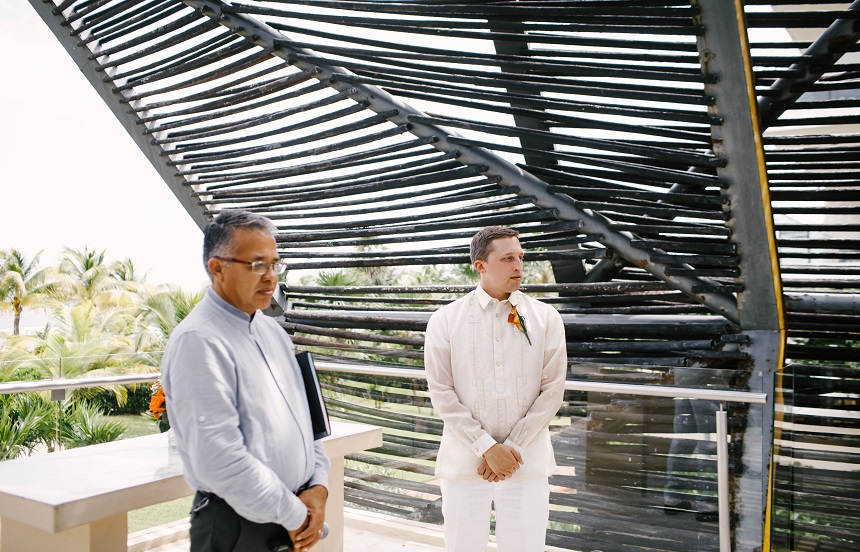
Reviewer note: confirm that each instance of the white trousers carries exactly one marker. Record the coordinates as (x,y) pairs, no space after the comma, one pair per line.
(522,512)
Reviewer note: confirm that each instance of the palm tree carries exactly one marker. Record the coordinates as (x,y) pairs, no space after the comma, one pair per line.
(124,271)
(85,276)
(81,340)
(22,283)
(53,352)
(161,310)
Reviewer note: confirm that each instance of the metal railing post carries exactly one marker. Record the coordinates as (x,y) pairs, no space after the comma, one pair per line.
(723,480)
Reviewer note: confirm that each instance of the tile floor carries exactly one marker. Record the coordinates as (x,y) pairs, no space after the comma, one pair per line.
(363,532)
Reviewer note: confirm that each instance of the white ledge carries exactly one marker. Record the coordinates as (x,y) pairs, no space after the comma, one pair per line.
(83,495)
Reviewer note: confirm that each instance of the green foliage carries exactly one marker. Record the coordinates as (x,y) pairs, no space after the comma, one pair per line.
(105,320)
(26,373)
(538,272)
(81,340)
(136,402)
(124,271)
(30,419)
(160,311)
(138,425)
(22,283)
(435,275)
(339,278)
(85,274)
(85,424)
(24,423)
(163,422)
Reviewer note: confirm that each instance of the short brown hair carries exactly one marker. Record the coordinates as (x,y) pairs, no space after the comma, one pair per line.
(482,242)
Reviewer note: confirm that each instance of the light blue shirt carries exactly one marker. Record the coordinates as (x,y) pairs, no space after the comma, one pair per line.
(237,405)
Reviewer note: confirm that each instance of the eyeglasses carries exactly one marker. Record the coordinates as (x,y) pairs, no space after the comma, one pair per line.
(258,267)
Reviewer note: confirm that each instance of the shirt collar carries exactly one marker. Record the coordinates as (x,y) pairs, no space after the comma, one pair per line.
(227,307)
(484,298)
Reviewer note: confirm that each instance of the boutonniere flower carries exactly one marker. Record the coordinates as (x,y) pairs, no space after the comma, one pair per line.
(158,407)
(517,320)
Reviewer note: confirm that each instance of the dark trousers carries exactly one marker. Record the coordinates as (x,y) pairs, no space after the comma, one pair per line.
(216,527)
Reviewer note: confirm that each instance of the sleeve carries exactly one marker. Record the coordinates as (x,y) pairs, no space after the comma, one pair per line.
(322,464)
(456,416)
(551,395)
(201,376)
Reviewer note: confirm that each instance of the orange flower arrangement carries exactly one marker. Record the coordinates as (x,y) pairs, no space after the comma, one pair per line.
(517,320)
(158,407)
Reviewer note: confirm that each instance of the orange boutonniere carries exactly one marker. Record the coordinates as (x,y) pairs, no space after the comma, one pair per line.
(158,407)
(517,320)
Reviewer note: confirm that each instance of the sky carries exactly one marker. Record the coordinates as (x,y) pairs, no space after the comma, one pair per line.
(70,175)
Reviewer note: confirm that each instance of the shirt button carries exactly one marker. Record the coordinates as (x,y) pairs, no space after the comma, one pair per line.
(498,339)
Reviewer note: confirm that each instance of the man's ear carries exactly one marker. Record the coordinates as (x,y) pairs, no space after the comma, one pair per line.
(479,266)
(215,267)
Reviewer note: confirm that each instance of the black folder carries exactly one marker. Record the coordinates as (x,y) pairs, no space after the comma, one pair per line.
(316,401)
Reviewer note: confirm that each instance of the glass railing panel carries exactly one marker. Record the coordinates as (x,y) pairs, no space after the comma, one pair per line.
(643,472)
(634,470)
(638,464)
(817,458)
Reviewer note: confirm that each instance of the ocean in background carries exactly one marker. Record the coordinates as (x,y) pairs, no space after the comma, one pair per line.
(32,320)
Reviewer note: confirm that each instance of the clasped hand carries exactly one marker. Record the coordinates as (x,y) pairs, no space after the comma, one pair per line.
(500,463)
(310,532)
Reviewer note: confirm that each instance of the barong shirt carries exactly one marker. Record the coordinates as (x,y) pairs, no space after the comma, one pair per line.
(237,404)
(490,386)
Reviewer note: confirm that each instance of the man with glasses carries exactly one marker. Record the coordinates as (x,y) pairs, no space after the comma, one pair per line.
(237,403)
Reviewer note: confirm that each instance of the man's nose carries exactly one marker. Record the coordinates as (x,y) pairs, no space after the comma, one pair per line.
(270,272)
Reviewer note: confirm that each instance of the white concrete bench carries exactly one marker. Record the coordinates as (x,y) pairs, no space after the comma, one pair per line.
(78,500)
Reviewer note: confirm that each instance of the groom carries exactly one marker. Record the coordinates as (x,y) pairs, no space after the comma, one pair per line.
(496,363)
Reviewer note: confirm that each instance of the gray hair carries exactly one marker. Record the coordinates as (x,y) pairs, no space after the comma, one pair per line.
(482,242)
(218,234)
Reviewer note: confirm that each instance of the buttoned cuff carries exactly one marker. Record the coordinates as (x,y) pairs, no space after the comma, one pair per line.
(483,444)
(515,446)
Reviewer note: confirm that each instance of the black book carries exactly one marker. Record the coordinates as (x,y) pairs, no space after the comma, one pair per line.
(316,401)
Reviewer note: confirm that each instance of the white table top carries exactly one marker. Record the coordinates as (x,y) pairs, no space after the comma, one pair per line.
(57,491)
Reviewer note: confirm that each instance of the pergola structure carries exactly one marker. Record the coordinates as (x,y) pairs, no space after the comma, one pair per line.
(690,172)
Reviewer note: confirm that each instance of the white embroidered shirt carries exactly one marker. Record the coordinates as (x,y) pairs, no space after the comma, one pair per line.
(490,386)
